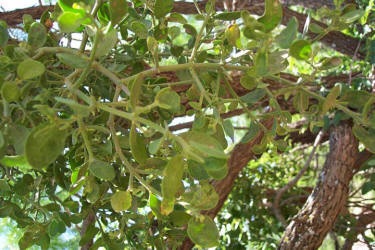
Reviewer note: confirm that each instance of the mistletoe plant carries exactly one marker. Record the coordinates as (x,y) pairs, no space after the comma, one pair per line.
(85,138)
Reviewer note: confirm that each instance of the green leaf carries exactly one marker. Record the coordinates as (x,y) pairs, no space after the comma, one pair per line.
(106,42)
(249,82)
(254,129)
(228,128)
(232,34)
(253,96)
(367,187)
(78,109)
(29,69)
(72,60)
(154,146)
(17,161)
(168,99)
(190,30)
(356,99)
(179,218)
(367,137)
(139,29)
(10,91)
(315,28)
(287,36)
(102,170)
(121,201)
(135,91)
(4,186)
(301,101)
(352,16)
(228,16)
(272,15)
(261,62)
(69,22)
(216,168)
(44,144)
(171,183)
(203,231)
(330,100)
(4,36)
(197,170)
(162,8)
(37,35)
(155,204)
(205,197)
(118,10)
(177,18)
(301,50)
(137,146)
(56,227)
(209,148)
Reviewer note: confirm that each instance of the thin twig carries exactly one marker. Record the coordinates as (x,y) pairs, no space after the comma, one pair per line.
(291,183)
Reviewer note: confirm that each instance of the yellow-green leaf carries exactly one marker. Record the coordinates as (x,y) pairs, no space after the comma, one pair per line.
(29,69)
(203,231)
(121,201)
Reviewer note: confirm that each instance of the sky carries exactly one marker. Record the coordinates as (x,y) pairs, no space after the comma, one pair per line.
(17,4)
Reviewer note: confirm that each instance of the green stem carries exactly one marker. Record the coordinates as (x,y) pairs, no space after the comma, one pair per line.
(244,106)
(198,38)
(185,66)
(200,86)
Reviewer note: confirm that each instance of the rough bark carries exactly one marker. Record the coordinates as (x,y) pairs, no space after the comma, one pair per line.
(240,156)
(336,40)
(309,227)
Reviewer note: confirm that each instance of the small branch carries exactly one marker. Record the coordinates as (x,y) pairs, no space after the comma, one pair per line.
(291,183)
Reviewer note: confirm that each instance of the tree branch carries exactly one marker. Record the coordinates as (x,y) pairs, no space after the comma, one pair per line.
(309,227)
(291,183)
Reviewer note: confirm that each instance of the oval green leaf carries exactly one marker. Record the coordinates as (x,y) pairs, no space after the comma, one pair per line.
(29,69)
(121,201)
(43,145)
(102,170)
(203,231)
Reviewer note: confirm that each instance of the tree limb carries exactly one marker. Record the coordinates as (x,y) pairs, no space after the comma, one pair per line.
(309,227)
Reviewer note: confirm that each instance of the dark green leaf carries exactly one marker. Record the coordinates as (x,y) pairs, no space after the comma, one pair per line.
(162,8)
(72,60)
(137,146)
(253,96)
(102,170)
(118,9)
(4,36)
(44,144)
(228,16)
(37,35)
(288,34)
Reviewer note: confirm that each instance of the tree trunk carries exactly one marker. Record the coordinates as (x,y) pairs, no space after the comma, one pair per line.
(310,226)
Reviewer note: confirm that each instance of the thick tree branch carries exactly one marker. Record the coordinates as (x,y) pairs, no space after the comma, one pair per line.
(309,227)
